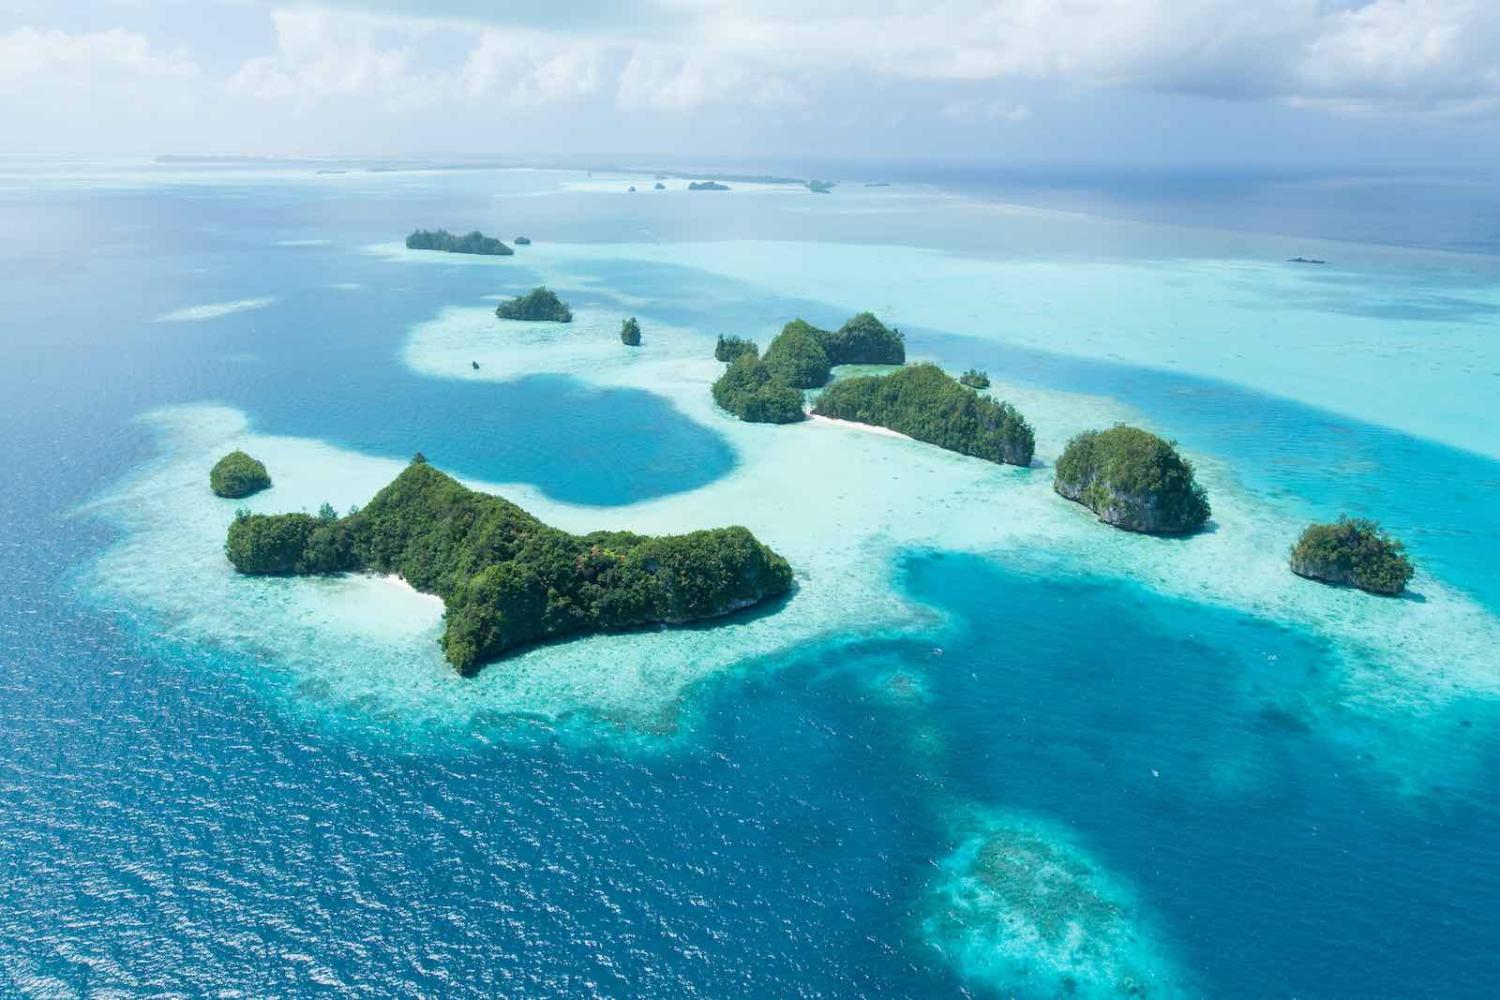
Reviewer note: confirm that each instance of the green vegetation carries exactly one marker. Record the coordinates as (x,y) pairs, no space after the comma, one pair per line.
(707,186)
(506,578)
(630,333)
(975,379)
(441,239)
(796,357)
(238,475)
(1354,552)
(924,402)
(729,349)
(538,304)
(768,389)
(1133,480)
(862,340)
(749,391)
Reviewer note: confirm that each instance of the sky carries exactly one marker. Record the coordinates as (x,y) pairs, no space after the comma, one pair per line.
(1395,83)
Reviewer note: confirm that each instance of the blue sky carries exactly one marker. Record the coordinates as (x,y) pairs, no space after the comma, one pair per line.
(1383,82)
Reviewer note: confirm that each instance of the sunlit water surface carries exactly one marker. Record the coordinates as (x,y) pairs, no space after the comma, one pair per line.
(989,746)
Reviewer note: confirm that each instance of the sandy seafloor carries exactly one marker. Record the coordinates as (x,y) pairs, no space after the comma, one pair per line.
(1080,716)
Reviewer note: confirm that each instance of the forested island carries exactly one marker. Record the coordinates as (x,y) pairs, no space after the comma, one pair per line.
(1353,552)
(507,579)
(630,333)
(767,389)
(748,390)
(707,186)
(975,379)
(728,349)
(238,475)
(1133,480)
(523,241)
(539,304)
(927,404)
(441,239)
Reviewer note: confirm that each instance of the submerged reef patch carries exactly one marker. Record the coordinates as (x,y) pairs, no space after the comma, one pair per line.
(1020,908)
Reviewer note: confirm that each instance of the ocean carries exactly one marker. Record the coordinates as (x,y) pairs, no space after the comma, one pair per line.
(990,747)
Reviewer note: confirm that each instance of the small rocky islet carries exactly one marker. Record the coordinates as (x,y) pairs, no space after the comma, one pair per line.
(237,475)
(541,304)
(1353,552)
(507,579)
(1133,480)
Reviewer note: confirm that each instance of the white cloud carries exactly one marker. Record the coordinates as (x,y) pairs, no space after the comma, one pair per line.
(63,59)
(321,54)
(662,79)
(529,69)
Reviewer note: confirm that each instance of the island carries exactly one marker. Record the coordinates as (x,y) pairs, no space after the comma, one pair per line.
(540,304)
(820,187)
(862,340)
(1306,260)
(768,388)
(441,239)
(796,357)
(728,349)
(523,241)
(660,186)
(1353,552)
(508,580)
(975,379)
(1133,480)
(749,391)
(707,186)
(630,333)
(927,404)
(238,475)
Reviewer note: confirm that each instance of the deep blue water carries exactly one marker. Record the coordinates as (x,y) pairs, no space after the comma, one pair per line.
(166,825)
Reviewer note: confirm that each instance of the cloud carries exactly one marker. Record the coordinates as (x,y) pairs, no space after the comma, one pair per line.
(321,54)
(666,80)
(78,60)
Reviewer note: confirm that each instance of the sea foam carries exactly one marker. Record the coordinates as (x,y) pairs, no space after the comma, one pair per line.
(213,310)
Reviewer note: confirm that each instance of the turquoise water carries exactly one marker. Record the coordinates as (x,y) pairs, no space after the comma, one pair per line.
(989,747)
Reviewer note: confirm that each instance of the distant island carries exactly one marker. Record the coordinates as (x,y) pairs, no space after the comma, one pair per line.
(707,186)
(927,404)
(975,379)
(1306,260)
(238,475)
(1352,552)
(767,388)
(630,333)
(1133,480)
(540,304)
(441,239)
(506,578)
(660,186)
(523,241)
(820,187)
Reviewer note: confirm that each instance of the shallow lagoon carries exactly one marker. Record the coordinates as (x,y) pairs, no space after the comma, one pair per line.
(655,814)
